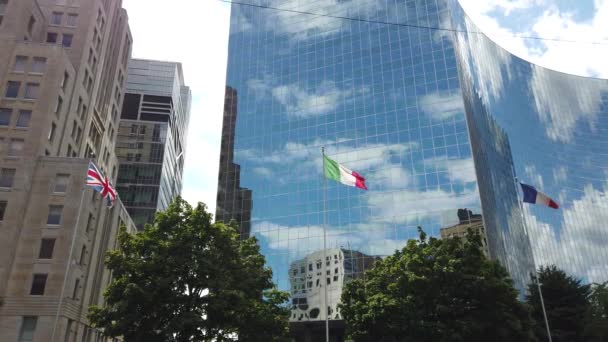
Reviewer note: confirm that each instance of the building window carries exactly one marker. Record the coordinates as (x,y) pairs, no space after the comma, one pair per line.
(51,136)
(20,63)
(54,216)
(69,152)
(76,286)
(51,37)
(24,118)
(78,135)
(38,284)
(89,222)
(83,254)
(56,18)
(5,116)
(46,249)
(64,80)
(7,177)
(31,91)
(72,20)
(15,148)
(12,89)
(28,327)
(3,4)
(66,40)
(61,183)
(59,105)
(3,205)
(39,65)
(30,25)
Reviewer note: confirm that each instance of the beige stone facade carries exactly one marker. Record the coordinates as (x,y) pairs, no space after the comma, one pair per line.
(62,77)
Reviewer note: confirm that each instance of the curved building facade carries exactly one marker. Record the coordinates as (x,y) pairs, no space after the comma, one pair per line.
(437,121)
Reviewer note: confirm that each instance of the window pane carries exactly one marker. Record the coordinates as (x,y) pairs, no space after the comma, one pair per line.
(46,249)
(72,20)
(24,118)
(2,209)
(31,91)
(5,116)
(61,183)
(3,4)
(39,65)
(15,148)
(51,37)
(52,132)
(7,177)
(56,18)
(12,89)
(67,40)
(28,327)
(38,284)
(58,105)
(20,62)
(54,214)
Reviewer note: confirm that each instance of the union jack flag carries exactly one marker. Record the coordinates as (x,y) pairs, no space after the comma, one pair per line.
(101,184)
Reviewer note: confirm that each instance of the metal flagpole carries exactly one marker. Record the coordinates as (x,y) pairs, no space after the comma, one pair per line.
(540,291)
(69,261)
(325,249)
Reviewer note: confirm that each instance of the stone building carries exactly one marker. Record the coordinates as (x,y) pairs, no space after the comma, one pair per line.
(62,78)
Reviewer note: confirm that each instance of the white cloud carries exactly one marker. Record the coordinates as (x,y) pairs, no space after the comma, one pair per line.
(459,170)
(565,102)
(534,177)
(204,62)
(442,106)
(299,102)
(552,23)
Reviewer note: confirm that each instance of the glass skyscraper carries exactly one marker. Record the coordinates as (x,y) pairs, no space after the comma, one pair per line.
(436,116)
(152,137)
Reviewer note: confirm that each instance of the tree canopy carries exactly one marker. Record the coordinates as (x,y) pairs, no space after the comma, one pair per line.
(185,278)
(597,326)
(566,303)
(436,290)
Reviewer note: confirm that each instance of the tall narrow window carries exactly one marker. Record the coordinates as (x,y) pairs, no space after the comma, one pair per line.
(64,80)
(15,148)
(83,255)
(72,20)
(54,216)
(66,40)
(46,249)
(5,116)
(7,177)
(3,4)
(59,105)
(3,205)
(24,118)
(20,63)
(61,182)
(89,222)
(28,328)
(39,65)
(51,136)
(31,91)
(12,89)
(38,284)
(56,18)
(76,286)
(30,25)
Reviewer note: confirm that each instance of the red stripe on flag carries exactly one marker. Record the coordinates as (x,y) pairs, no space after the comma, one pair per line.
(359,181)
(553,204)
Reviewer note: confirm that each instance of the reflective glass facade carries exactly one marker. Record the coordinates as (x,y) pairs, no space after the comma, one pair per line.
(388,102)
(151,138)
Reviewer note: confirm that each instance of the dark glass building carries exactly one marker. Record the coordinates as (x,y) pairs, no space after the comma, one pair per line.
(152,137)
(436,119)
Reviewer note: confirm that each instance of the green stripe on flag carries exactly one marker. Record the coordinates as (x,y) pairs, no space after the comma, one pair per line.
(332,170)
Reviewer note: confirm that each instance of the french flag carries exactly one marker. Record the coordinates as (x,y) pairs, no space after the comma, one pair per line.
(531,195)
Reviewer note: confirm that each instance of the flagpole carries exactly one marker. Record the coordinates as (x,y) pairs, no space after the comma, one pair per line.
(326,309)
(69,261)
(537,280)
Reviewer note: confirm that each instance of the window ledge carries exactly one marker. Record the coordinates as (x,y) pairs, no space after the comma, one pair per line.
(6,189)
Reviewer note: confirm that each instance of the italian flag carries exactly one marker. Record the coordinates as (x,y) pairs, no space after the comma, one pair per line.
(339,173)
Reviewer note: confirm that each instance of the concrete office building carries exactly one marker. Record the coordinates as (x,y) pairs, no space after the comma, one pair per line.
(152,135)
(467,221)
(434,119)
(62,72)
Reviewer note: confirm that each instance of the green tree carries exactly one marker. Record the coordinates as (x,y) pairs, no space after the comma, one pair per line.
(185,278)
(597,325)
(566,303)
(436,290)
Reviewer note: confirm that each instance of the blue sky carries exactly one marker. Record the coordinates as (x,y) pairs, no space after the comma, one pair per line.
(195,32)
